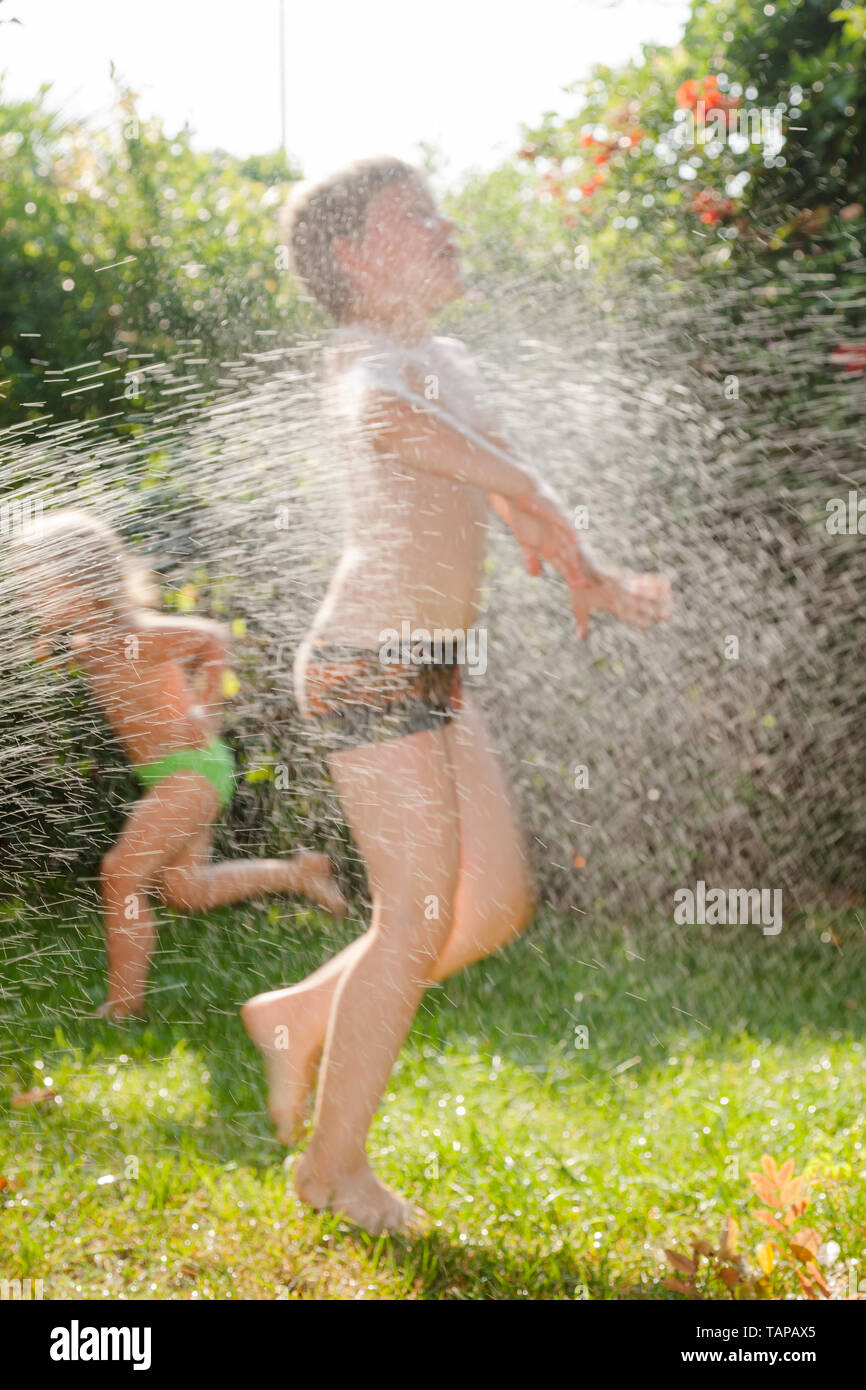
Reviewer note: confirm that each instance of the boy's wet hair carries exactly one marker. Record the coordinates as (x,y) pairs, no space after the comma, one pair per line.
(80,550)
(335,206)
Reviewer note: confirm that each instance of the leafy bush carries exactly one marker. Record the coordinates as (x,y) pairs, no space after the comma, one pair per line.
(126,252)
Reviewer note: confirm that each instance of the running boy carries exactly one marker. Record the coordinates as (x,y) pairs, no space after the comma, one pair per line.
(409,755)
(158,680)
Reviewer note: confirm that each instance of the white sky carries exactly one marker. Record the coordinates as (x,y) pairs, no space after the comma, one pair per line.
(362,76)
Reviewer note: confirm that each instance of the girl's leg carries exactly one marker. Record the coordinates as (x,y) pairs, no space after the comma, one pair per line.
(495,901)
(193,884)
(400,803)
(160,823)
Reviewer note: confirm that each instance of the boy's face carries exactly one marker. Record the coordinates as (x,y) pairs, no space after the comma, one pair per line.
(406,258)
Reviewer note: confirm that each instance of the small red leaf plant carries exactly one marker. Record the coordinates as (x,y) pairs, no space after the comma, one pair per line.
(785,1263)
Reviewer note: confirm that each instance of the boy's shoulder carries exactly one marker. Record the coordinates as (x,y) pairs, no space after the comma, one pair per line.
(453,345)
(459,354)
(356,350)
(456,348)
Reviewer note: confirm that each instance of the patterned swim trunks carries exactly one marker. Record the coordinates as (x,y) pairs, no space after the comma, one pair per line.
(351,698)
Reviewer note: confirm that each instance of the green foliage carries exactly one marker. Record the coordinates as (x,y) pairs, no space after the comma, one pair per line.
(634,172)
(556,1171)
(122,248)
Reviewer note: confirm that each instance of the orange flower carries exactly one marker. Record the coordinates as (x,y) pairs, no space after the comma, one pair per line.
(687,94)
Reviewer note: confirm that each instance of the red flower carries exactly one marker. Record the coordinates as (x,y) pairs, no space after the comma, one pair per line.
(851,357)
(707,90)
(586,141)
(687,94)
(711,206)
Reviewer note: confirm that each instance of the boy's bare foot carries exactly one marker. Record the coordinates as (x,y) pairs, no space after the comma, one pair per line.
(282,1027)
(359,1197)
(315,879)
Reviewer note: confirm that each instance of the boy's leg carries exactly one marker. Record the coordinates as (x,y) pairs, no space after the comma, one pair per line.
(495,901)
(160,823)
(496,895)
(193,884)
(400,803)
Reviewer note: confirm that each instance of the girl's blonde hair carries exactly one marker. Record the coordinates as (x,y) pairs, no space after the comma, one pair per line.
(335,206)
(80,550)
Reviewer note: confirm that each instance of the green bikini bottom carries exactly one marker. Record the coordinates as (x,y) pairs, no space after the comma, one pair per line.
(215,762)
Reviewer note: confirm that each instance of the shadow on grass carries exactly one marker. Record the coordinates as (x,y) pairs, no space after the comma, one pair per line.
(637,993)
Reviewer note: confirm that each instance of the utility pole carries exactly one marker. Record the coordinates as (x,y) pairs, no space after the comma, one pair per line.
(283,76)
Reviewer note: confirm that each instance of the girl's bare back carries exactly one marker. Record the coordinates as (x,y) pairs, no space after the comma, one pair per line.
(138,679)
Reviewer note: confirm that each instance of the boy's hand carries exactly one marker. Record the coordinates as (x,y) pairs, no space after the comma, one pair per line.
(562,540)
(545,533)
(637,599)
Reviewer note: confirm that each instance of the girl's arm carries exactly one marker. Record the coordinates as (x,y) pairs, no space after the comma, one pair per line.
(200,644)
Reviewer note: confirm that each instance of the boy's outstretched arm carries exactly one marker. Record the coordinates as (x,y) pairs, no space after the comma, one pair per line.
(433,441)
(637,599)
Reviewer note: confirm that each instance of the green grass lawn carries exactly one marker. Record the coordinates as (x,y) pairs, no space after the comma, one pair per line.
(548,1170)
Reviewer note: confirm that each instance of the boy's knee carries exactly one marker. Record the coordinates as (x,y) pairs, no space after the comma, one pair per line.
(417,918)
(526,901)
(113,863)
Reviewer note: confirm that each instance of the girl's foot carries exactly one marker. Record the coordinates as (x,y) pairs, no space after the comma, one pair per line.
(118,1012)
(282,1026)
(358,1197)
(315,879)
